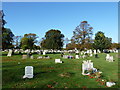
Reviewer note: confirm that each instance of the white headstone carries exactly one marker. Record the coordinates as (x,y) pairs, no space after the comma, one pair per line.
(87,65)
(90,51)
(39,57)
(94,51)
(65,56)
(10,53)
(77,51)
(28,72)
(44,53)
(98,51)
(58,61)
(77,56)
(91,55)
(109,58)
(110,84)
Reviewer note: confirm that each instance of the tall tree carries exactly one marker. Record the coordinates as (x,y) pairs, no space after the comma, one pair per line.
(6,33)
(2,21)
(28,41)
(101,42)
(53,40)
(82,33)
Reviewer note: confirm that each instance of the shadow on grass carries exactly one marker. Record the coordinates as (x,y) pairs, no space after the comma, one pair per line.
(40,73)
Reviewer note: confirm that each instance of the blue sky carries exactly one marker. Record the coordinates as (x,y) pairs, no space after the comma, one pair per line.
(39,17)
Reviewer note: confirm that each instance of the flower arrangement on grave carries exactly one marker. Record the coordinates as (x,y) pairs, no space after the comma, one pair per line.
(97,75)
(93,74)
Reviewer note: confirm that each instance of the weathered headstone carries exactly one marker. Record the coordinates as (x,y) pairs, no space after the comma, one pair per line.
(31,57)
(39,57)
(24,56)
(28,72)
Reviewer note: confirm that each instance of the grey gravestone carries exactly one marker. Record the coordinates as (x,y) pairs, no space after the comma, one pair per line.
(39,57)
(24,56)
(28,72)
(31,57)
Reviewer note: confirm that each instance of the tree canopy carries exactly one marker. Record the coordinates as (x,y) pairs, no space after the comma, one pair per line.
(28,41)
(53,40)
(101,42)
(82,33)
(6,33)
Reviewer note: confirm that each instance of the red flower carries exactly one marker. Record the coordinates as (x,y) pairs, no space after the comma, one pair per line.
(91,77)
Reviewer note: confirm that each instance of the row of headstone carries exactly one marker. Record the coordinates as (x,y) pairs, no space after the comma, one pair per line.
(111,50)
(45,57)
(90,51)
(67,56)
(76,56)
(29,70)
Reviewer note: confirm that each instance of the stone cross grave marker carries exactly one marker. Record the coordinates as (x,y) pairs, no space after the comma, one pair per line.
(28,72)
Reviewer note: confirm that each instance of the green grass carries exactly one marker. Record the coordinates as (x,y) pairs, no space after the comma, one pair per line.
(48,74)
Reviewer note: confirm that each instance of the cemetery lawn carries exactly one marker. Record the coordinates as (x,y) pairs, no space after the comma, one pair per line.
(47,74)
